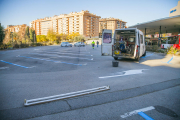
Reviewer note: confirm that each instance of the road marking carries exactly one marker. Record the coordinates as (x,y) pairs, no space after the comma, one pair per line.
(145,116)
(66,53)
(169,60)
(14,64)
(74,52)
(129,72)
(3,68)
(85,48)
(3,52)
(137,111)
(62,56)
(52,60)
(147,55)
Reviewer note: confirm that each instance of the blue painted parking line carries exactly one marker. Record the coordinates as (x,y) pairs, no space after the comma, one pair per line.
(145,116)
(14,64)
(169,61)
(147,55)
(51,60)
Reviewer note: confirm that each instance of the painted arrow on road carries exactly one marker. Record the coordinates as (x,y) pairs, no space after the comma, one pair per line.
(129,72)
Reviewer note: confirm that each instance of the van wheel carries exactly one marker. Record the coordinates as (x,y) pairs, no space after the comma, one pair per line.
(144,54)
(115,58)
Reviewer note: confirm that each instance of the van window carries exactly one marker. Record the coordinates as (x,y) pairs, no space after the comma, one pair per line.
(141,39)
(107,38)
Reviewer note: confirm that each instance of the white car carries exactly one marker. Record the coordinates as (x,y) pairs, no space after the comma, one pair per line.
(66,44)
(79,44)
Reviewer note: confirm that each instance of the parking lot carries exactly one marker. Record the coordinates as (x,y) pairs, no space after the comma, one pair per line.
(44,71)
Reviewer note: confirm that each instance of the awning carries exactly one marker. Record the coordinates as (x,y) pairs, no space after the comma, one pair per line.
(168,25)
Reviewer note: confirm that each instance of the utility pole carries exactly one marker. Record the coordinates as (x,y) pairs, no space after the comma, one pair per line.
(34,38)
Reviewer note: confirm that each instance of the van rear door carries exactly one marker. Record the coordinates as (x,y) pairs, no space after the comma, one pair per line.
(107,42)
(142,44)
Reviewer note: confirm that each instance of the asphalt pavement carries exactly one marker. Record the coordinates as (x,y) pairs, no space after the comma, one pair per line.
(36,72)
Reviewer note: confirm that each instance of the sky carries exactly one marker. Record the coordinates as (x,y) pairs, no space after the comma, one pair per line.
(17,12)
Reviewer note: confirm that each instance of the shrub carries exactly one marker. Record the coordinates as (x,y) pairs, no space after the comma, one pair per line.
(171,50)
(155,48)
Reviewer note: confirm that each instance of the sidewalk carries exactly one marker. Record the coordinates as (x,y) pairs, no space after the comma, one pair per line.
(168,60)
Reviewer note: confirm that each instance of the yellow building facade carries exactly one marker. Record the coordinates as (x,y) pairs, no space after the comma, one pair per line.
(83,22)
(111,24)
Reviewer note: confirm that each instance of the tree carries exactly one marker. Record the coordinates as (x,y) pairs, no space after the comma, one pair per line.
(7,38)
(2,34)
(79,38)
(15,37)
(31,35)
(63,36)
(34,36)
(41,38)
(27,32)
(72,35)
(51,35)
(58,38)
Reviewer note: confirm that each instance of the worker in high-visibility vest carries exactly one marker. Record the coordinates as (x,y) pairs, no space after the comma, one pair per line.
(93,43)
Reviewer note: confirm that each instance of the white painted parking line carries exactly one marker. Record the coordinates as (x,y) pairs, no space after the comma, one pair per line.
(3,68)
(137,111)
(85,48)
(68,53)
(49,60)
(74,52)
(3,52)
(129,72)
(62,56)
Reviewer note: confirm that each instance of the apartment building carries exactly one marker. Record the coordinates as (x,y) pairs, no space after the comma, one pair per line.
(111,24)
(83,22)
(16,28)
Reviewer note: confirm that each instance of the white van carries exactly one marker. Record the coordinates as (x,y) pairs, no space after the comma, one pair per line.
(126,43)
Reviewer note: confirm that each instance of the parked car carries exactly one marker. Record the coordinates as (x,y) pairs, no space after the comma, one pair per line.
(66,44)
(69,45)
(79,44)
